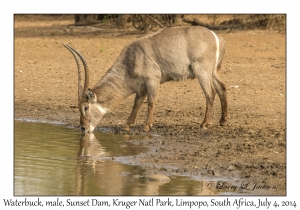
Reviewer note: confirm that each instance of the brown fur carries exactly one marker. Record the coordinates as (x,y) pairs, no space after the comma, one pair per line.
(176,53)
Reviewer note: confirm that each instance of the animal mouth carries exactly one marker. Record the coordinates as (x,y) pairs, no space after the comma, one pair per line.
(91,129)
(83,130)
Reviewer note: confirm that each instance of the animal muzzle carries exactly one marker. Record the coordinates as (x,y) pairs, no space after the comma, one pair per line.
(83,129)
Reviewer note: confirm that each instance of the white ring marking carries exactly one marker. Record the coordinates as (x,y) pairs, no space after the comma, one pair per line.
(101,109)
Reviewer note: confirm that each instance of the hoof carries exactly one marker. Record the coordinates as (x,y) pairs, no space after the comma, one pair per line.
(146,128)
(126,127)
(223,122)
(203,127)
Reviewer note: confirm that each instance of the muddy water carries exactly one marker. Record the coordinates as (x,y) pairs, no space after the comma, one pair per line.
(54,160)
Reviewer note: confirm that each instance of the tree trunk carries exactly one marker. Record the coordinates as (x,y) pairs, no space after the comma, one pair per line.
(121,21)
(178,20)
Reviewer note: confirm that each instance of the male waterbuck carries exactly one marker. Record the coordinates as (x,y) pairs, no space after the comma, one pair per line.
(176,53)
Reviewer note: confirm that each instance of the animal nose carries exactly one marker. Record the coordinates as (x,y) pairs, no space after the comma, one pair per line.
(82,128)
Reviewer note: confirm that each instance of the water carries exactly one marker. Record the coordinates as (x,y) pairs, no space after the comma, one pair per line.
(55,160)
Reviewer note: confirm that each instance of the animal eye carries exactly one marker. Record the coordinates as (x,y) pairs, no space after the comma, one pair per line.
(86,108)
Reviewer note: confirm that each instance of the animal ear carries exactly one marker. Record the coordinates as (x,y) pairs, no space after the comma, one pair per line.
(83,108)
(91,96)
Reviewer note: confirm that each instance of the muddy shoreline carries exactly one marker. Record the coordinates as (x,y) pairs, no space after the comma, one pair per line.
(252,146)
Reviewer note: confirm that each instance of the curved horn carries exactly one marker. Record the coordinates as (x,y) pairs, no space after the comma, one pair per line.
(80,85)
(86,70)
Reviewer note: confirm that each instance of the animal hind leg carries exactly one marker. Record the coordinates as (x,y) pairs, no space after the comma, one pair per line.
(205,80)
(210,93)
(203,73)
(221,91)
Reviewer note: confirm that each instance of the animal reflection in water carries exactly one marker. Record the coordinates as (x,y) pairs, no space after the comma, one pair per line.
(96,175)
(89,155)
(90,148)
(106,177)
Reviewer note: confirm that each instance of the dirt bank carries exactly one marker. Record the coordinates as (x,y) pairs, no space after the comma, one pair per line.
(251,147)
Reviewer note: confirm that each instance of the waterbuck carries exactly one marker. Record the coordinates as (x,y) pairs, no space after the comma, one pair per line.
(176,53)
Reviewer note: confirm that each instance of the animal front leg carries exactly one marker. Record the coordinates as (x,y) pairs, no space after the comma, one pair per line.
(139,98)
(149,122)
(152,92)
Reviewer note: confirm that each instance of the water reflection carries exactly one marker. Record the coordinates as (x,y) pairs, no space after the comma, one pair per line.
(94,171)
(90,149)
(53,160)
(96,175)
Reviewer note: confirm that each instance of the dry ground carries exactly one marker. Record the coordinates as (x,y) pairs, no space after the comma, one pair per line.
(251,147)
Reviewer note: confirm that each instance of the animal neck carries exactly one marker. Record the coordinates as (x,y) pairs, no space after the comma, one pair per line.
(111,90)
